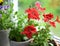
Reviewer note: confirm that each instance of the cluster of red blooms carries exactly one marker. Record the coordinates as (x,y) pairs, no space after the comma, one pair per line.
(33,14)
(29,31)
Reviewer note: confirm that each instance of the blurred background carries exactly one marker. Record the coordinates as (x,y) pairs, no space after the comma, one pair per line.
(52,6)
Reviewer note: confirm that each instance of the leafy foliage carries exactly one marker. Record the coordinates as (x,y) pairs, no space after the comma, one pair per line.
(5,19)
(15,34)
(42,38)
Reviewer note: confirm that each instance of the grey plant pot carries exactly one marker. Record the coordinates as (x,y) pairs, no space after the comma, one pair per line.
(25,43)
(4,41)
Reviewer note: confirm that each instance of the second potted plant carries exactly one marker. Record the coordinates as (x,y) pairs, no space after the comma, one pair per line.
(5,23)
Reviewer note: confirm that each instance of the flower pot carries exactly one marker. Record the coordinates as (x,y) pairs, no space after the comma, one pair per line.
(25,43)
(4,41)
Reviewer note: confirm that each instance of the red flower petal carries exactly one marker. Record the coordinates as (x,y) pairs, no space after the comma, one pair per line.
(57,19)
(42,9)
(52,24)
(46,20)
(38,5)
(32,13)
(29,31)
(47,17)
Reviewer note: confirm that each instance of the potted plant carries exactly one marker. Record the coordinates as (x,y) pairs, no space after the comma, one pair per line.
(33,26)
(15,35)
(5,23)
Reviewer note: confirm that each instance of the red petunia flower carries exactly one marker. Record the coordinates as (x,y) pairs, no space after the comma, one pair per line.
(29,31)
(57,19)
(52,24)
(32,13)
(48,17)
(38,5)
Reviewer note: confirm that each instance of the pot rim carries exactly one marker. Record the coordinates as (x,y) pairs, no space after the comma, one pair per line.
(23,41)
(3,31)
